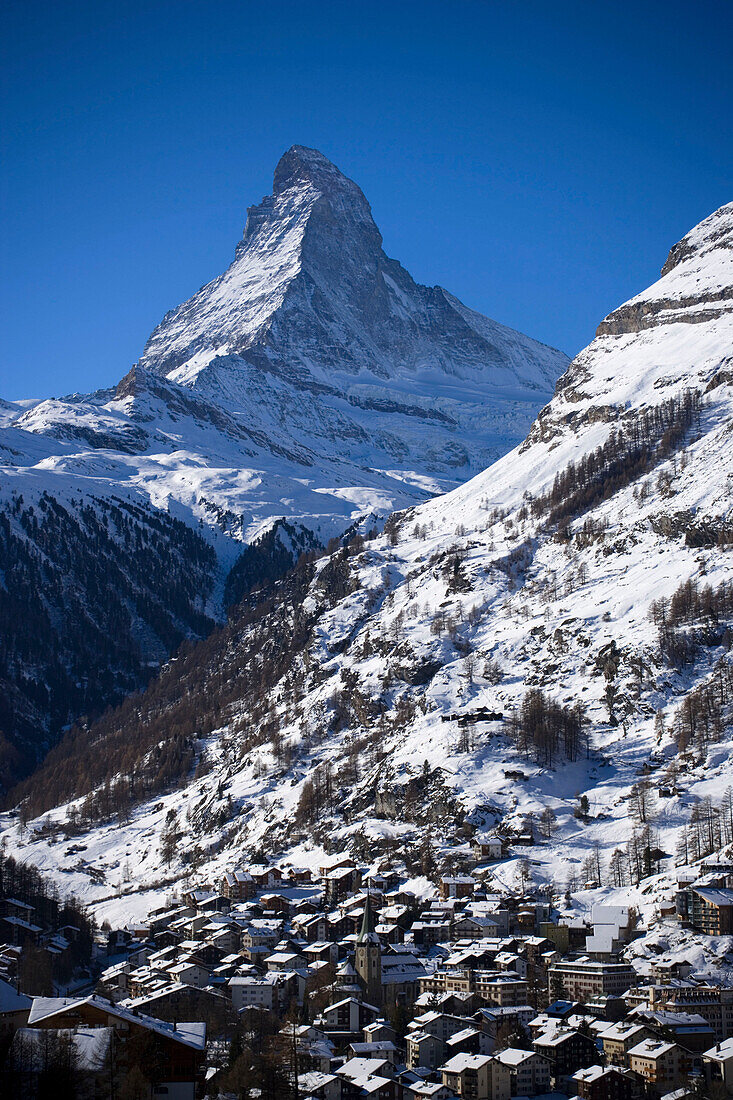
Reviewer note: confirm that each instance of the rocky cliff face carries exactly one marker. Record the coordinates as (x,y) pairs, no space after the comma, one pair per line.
(673,335)
(696,284)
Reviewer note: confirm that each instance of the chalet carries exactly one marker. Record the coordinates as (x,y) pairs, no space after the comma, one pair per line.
(207,900)
(384,1049)
(276,903)
(426,1090)
(398,915)
(606,1083)
(347,1018)
(357,1069)
(300,876)
(238,886)
(339,883)
(380,880)
(473,1075)
(424,1049)
(713,1002)
(322,1086)
(285,960)
(487,846)
(313,927)
(160,919)
(429,932)
(252,989)
(691,1030)
(401,974)
(567,1051)
(322,951)
(499,989)
(469,1040)
(585,978)
(258,940)
(478,926)
(181,1046)
(618,1039)
(389,933)
(186,1002)
(19,930)
(14,1010)
(529,1072)
(710,910)
(267,878)
(718,1066)
(367,1077)
(659,1063)
(457,886)
(190,972)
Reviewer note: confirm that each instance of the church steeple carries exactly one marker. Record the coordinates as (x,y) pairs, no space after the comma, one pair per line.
(368,923)
(368,956)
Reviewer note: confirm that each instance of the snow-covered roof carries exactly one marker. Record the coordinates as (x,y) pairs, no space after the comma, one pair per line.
(721,1052)
(460,1062)
(714,896)
(355,1068)
(11,1000)
(514,1056)
(45,1008)
(650,1048)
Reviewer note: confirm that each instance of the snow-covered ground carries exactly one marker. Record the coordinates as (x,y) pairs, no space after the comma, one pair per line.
(543,609)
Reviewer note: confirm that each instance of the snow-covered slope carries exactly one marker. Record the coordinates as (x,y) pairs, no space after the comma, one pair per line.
(312,382)
(525,577)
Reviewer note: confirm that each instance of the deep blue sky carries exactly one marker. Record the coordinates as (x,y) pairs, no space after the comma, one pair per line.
(537,159)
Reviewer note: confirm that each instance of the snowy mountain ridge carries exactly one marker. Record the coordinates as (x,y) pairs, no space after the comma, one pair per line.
(313,382)
(592,564)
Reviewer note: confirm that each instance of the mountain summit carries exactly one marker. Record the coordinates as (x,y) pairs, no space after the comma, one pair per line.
(313,317)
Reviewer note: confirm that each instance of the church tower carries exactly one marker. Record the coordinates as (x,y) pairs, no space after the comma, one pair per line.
(368,961)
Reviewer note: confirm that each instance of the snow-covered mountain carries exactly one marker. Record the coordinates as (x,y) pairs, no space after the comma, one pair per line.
(313,383)
(368,703)
(313,380)
(314,336)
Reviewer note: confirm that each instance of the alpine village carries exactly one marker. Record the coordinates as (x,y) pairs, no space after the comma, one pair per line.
(367,691)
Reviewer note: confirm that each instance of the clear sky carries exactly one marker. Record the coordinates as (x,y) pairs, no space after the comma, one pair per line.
(537,159)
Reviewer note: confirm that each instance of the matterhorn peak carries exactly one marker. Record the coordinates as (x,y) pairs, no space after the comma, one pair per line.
(303,165)
(311,296)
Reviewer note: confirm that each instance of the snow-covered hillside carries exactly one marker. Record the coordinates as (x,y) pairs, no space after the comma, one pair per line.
(555,569)
(312,382)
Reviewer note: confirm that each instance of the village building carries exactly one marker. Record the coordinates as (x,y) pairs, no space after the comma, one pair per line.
(181,1046)
(529,1072)
(609,1082)
(662,1065)
(584,978)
